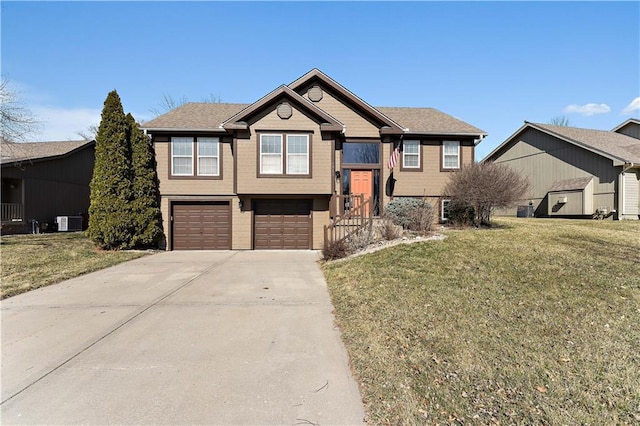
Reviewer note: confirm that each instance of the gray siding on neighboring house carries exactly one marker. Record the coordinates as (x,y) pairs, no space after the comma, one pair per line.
(545,160)
(630,129)
(54,187)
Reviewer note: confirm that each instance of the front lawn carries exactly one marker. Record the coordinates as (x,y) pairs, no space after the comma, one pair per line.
(33,261)
(533,322)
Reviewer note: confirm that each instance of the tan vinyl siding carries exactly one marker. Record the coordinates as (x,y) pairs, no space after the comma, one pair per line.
(544,159)
(166,222)
(195,185)
(241,226)
(431,181)
(320,218)
(355,125)
(320,156)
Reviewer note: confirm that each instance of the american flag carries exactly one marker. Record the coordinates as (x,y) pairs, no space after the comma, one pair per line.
(393,159)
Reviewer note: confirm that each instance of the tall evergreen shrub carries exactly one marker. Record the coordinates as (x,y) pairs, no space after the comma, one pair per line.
(146,215)
(110,224)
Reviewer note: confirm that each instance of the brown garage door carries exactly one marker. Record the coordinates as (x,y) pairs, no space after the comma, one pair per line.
(202,226)
(282,224)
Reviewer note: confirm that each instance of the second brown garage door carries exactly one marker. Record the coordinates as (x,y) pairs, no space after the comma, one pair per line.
(202,226)
(282,224)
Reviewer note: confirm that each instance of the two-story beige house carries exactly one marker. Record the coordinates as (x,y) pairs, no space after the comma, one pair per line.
(272,174)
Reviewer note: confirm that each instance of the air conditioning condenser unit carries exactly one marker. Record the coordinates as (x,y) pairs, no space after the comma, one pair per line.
(69,223)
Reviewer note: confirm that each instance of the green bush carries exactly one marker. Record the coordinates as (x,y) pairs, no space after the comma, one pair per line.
(413,214)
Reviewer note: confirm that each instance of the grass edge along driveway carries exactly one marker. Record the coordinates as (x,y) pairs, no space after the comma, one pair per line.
(531,322)
(34,261)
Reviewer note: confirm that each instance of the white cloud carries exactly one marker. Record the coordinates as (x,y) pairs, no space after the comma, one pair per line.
(60,124)
(633,106)
(587,109)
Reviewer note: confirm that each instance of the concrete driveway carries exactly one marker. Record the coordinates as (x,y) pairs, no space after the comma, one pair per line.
(213,337)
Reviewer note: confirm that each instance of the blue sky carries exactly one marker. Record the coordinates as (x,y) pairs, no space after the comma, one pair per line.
(491,64)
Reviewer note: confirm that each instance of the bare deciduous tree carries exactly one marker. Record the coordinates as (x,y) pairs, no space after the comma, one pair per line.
(560,121)
(169,103)
(16,121)
(88,134)
(485,187)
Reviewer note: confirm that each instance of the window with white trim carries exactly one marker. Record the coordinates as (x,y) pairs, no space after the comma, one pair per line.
(270,154)
(181,156)
(450,154)
(208,156)
(297,154)
(444,210)
(411,154)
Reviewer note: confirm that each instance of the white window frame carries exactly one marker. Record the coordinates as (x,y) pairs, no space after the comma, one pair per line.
(217,156)
(306,172)
(263,154)
(442,210)
(174,156)
(405,154)
(445,155)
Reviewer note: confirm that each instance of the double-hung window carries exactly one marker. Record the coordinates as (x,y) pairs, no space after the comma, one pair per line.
(208,157)
(197,157)
(297,154)
(271,154)
(411,155)
(284,154)
(182,156)
(451,155)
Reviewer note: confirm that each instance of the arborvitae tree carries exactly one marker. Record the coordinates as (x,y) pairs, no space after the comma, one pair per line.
(110,218)
(146,195)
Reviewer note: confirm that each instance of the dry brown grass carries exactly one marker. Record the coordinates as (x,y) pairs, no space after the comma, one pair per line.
(33,261)
(533,322)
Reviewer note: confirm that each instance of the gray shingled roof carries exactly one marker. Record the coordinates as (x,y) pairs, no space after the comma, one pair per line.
(612,144)
(11,152)
(209,116)
(571,184)
(196,116)
(428,120)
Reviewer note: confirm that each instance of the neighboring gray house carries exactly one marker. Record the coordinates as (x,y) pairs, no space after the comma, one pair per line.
(577,172)
(43,180)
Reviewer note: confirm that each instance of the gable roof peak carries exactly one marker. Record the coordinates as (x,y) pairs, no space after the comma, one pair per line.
(631,120)
(615,146)
(351,97)
(239,120)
